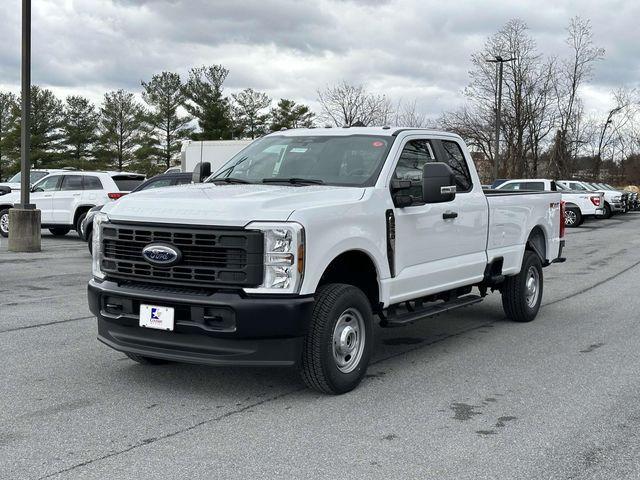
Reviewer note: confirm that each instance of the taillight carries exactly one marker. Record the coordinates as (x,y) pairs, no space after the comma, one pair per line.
(116,195)
(595,200)
(562,225)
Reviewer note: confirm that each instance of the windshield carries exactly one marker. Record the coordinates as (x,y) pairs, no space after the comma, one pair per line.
(33,177)
(354,160)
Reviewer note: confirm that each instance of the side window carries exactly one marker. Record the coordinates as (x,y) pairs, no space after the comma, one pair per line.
(182,180)
(71,182)
(535,186)
(510,186)
(48,184)
(161,182)
(91,183)
(415,154)
(455,158)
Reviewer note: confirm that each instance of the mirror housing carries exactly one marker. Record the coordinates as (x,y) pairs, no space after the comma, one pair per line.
(438,183)
(201,171)
(5,190)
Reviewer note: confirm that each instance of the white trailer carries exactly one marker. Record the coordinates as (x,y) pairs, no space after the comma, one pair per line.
(216,152)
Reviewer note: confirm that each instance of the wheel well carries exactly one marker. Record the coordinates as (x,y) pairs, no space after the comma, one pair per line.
(571,205)
(537,243)
(2,207)
(80,211)
(354,268)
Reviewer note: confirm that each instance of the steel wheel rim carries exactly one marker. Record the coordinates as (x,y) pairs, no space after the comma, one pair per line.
(348,340)
(569,217)
(532,286)
(4,223)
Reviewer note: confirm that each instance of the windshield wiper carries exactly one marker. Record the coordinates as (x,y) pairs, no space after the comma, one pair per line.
(294,181)
(229,180)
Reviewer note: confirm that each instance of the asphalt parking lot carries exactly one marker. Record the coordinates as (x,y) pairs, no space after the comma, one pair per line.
(466,395)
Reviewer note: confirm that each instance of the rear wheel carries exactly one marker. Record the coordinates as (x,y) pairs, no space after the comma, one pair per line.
(4,222)
(146,360)
(79,224)
(572,217)
(522,293)
(59,231)
(338,346)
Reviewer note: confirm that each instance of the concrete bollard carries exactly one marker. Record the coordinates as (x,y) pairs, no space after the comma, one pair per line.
(24,230)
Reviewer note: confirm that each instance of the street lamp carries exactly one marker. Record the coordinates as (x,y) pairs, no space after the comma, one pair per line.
(500,61)
(24,219)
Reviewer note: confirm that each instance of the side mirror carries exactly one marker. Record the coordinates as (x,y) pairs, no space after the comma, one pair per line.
(438,183)
(5,190)
(201,171)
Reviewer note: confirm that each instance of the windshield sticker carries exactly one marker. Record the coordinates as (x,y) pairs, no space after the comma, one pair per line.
(378,144)
(298,150)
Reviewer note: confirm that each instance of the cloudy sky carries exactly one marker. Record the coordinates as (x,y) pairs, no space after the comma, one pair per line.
(407,49)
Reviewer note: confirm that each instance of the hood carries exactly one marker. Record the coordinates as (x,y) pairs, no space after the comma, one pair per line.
(232,205)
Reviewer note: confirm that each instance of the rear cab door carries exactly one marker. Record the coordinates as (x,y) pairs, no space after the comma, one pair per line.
(442,245)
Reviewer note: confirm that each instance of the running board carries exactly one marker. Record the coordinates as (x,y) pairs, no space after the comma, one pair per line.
(407,318)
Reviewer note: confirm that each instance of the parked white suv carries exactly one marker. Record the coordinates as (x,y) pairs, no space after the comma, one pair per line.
(65,197)
(578,204)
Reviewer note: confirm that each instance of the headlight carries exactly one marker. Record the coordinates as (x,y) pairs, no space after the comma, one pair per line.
(283,257)
(617,199)
(98,220)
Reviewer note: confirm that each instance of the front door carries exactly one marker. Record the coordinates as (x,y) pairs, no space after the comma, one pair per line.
(439,246)
(42,196)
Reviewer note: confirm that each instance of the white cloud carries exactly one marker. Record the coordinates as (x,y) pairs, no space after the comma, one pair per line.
(409,49)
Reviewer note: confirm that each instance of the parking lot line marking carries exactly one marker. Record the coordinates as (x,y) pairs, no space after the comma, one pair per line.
(26,327)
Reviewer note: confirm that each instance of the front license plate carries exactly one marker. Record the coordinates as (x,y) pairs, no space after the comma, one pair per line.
(152,316)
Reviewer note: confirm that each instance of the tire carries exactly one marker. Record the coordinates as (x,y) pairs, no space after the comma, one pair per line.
(90,241)
(336,352)
(59,231)
(519,302)
(146,360)
(79,224)
(607,210)
(572,218)
(4,222)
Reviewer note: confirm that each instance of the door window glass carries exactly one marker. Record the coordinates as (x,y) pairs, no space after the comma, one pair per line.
(71,182)
(455,159)
(48,184)
(414,156)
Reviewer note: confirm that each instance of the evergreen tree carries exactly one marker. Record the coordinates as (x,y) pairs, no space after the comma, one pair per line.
(164,95)
(288,114)
(206,102)
(250,115)
(9,117)
(45,125)
(120,125)
(80,127)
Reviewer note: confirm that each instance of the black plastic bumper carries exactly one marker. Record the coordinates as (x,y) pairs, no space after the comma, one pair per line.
(222,328)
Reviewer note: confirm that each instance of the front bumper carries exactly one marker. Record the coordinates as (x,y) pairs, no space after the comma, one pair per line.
(221,328)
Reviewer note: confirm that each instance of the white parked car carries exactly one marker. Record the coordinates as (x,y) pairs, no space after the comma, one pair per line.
(35,175)
(65,197)
(613,199)
(286,254)
(579,205)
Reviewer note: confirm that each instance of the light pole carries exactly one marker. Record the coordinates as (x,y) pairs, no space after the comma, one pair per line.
(24,219)
(496,156)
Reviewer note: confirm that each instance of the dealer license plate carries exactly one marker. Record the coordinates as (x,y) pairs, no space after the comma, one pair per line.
(152,316)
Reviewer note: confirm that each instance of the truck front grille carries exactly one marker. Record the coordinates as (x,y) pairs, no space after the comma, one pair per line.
(210,256)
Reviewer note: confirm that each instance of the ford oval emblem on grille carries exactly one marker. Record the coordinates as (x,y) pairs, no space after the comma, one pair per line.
(161,255)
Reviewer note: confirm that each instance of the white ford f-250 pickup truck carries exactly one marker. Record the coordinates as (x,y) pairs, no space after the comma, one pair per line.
(285,255)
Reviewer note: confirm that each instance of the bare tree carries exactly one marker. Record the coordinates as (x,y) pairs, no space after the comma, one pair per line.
(573,74)
(407,115)
(348,105)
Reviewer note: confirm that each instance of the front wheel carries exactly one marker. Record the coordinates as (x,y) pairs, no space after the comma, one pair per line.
(572,218)
(522,293)
(338,345)
(4,222)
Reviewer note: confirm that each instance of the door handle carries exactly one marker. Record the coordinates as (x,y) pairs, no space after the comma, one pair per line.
(76,194)
(449,214)
(47,196)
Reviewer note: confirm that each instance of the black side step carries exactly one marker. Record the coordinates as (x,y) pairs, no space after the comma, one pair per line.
(406,318)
